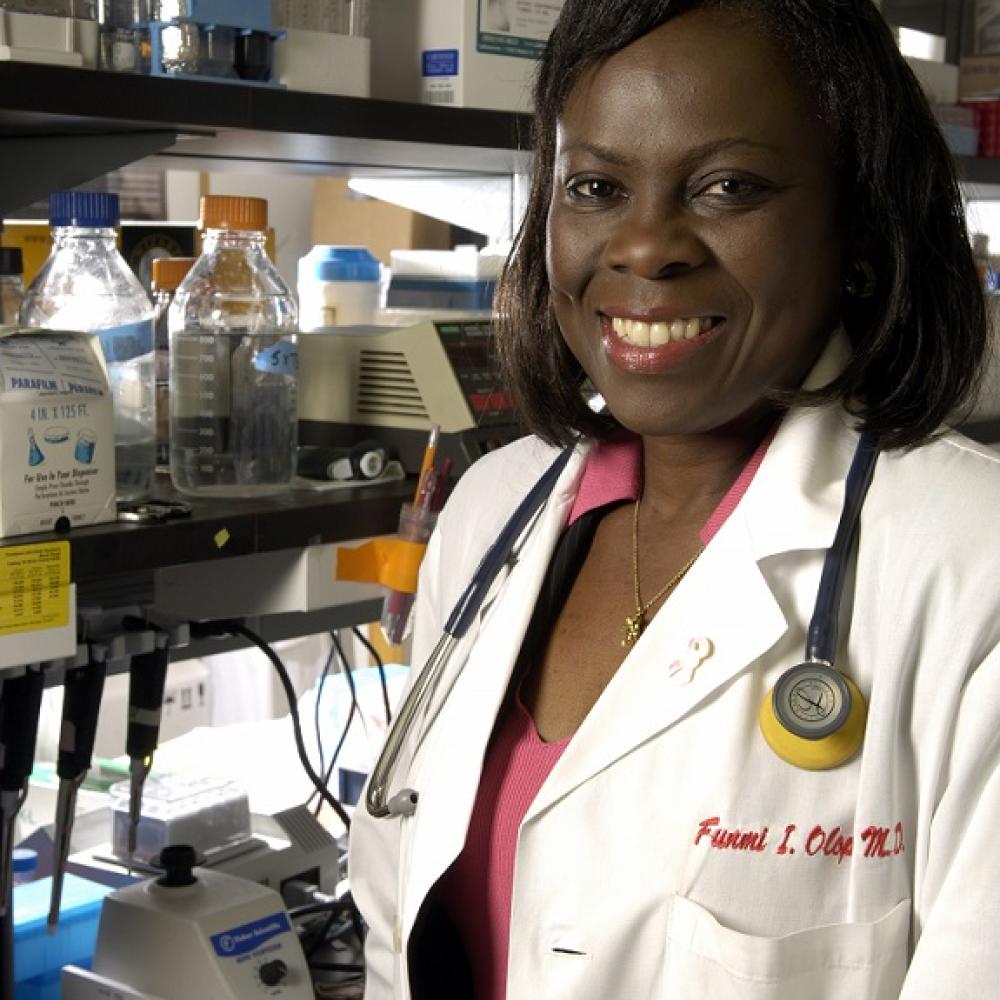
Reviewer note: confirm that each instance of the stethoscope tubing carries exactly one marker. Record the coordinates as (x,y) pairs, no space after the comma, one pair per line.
(821,639)
(462,616)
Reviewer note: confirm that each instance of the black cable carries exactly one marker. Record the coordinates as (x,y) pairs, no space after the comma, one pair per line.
(337,649)
(7,944)
(336,967)
(319,697)
(355,708)
(381,671)
(311,909)
(238,628)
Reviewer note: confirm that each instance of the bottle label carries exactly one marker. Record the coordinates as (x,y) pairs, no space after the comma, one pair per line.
(128,341)
(281,358)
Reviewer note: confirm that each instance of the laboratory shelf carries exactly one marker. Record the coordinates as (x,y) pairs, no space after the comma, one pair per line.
(62,126)
(220,529)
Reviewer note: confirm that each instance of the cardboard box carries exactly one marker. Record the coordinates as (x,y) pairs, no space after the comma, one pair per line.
(321,62)
(986,37)
(979,77)
(939,80)
(57,438)
(482,53)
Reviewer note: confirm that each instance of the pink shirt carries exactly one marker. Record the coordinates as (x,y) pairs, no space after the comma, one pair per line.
(476,890)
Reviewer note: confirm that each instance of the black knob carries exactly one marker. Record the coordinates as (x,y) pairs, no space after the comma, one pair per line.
(271,973)
(177,860)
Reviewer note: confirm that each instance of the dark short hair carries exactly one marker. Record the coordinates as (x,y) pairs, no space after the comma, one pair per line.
(919,341)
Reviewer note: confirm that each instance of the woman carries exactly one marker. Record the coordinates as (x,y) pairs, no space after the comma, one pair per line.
(744,233)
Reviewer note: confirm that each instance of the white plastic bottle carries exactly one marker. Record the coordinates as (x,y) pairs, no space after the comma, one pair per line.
(86,285)
(233,361)
(338,286)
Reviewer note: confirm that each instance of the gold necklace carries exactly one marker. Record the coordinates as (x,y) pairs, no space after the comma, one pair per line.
(636,622)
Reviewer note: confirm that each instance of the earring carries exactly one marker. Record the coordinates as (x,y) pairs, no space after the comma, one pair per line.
(861,280)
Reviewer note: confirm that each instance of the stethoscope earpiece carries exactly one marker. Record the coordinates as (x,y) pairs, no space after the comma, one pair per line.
(814,717)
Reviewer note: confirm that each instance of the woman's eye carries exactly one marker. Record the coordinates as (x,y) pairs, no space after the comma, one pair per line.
(732,187)
(591,189)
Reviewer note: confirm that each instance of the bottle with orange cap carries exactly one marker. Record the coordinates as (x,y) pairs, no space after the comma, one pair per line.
(233,361)
(167,274)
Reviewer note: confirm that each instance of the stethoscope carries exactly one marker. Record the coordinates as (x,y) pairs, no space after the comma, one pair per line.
(813,718)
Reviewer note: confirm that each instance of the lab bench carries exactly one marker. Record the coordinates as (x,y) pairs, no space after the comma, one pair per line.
(115,564)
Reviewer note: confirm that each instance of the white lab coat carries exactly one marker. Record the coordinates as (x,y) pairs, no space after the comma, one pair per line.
(878,879)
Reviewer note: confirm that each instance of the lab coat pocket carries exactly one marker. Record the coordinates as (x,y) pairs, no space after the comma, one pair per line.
(834,962)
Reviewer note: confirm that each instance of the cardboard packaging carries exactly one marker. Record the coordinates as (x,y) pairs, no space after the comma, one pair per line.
(57,439)
(482,53)
(979,77)
(986,38)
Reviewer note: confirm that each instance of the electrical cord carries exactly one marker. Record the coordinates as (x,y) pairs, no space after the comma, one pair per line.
(373,652)
(338,650)
(355,709)
(235,627)
(319,697)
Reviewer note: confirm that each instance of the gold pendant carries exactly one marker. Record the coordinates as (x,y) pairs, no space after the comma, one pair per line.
(631,630)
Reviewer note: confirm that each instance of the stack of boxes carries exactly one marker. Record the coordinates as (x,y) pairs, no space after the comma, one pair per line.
(979,77)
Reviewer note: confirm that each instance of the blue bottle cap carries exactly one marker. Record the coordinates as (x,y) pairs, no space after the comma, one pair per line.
(336,263)
(87,209)
(25,860)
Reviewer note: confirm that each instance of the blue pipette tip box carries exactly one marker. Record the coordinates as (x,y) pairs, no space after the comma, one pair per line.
(38,955)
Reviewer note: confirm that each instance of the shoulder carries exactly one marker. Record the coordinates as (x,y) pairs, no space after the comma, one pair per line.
(948,478)
(495,483)
(932,517)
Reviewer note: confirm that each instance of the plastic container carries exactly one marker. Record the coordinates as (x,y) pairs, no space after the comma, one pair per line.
(24,865)
(167,274)
(38,955)
(207,813)
(86,285)
(11,285)
(338,286)
(233,361)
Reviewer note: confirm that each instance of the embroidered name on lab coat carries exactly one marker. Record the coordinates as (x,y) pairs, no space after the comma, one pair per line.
(816,841)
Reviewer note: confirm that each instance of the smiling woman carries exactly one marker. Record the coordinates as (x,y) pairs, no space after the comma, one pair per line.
(744,233)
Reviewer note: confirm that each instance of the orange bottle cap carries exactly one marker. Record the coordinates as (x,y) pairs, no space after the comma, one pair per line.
(221,211)
(169,272)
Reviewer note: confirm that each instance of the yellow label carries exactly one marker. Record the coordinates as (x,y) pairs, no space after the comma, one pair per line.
(34,587)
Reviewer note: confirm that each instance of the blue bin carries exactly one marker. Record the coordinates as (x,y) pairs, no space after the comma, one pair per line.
(40,956)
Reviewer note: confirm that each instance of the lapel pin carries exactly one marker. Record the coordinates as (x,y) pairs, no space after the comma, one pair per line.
(683,669)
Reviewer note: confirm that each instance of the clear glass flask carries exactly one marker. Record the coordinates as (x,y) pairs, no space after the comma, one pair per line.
(233,361)
(86,285)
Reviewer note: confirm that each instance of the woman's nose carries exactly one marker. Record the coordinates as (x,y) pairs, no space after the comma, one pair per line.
(655,243)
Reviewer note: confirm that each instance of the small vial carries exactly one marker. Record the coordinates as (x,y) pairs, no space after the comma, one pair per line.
(24,866)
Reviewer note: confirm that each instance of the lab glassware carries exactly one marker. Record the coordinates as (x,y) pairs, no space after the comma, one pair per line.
(11,285)
(233,361)
(86,285)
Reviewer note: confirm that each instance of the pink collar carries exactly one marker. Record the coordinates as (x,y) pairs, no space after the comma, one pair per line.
(614,472)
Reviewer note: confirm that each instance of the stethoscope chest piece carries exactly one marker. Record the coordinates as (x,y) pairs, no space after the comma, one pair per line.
(814,718)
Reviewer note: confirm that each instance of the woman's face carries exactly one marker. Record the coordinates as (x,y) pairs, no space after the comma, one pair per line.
(695,251)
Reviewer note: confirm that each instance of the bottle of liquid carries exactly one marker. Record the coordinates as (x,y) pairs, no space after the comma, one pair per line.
(24,865)
(11,285)
(86,285)
(167,274)
(233,361)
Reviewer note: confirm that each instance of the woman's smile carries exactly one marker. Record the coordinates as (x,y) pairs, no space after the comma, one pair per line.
(695,248)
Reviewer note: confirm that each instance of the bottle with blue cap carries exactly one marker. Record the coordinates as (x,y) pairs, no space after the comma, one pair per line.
(86,285)
(338,286)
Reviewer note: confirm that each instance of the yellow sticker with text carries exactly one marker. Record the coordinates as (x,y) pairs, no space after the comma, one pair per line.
(34,587)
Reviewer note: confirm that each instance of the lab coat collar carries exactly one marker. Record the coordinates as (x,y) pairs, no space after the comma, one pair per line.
(793,503)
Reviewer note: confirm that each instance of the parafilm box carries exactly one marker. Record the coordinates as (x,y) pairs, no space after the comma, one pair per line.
(57,439)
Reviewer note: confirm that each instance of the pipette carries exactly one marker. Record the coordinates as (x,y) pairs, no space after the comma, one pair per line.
(20,702)
(82,690)
(147,679)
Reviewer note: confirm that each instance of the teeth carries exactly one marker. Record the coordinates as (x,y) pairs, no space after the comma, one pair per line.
(635,331)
